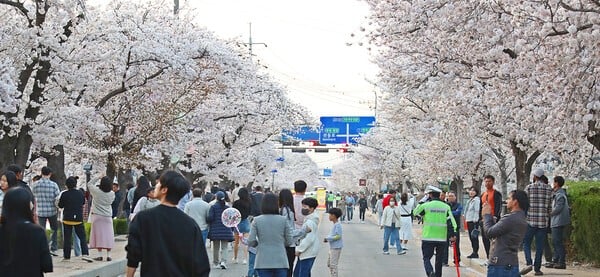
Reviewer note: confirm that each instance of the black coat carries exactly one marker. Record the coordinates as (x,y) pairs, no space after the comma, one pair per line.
(24,250)
(72,202)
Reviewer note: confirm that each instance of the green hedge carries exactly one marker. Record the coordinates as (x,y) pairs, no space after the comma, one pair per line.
(119,227)
(584,199)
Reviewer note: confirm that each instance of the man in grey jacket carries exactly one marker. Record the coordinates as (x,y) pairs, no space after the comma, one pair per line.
(560,217)
(507,235)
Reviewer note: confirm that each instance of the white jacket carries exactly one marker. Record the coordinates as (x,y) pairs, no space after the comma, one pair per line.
(390,213)
(309,245)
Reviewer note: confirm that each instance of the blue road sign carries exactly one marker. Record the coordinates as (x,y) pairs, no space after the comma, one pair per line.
(327,172)
(344,129)
(305,133)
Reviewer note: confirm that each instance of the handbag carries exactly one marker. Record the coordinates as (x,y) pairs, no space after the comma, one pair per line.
(475,233)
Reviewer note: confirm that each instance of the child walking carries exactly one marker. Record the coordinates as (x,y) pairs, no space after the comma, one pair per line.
(335,241)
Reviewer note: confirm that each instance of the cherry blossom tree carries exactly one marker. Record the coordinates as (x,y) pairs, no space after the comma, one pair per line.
(492,66)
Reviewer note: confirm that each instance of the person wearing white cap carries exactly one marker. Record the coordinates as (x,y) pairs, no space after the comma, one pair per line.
(438,226)
(538,216)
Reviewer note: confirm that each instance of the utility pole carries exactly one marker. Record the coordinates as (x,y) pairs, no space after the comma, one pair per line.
(250,43)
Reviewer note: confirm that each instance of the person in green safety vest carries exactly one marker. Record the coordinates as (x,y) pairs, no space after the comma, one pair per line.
(438,225)
(330,199)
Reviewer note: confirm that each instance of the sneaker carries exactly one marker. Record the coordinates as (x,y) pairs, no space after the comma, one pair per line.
(53,253)
(402,252)
(538,273)
(234,260)
(526,270)
(386,253)
(244,261)
(98,259)
(473,256)
(65,260)
(405,247)
(217,266)
(108,259)
(392,246)
(223,266)
(87,259)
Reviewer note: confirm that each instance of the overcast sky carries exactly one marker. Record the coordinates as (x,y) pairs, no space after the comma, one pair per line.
(306,48)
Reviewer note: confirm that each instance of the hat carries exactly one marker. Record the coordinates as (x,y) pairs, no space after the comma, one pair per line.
(220,195)
(431,188)
(538,172)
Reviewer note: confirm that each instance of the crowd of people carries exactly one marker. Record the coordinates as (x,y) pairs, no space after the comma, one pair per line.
(277,232)
(531,214)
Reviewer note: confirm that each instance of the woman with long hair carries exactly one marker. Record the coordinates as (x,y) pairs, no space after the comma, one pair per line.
(406,207)
(242,204)
(286,209)
(472,214)
(102,235)
(23,244)
(143,184)
(7,181)
(218,233)
(270,234)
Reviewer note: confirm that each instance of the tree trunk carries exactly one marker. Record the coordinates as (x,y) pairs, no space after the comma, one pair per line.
(7,148)
(595,139)
(457,186)
(111,166)
(501,162)
(523,164)
(56,161)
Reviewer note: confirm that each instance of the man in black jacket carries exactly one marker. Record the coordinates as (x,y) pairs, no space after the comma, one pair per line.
(164,239)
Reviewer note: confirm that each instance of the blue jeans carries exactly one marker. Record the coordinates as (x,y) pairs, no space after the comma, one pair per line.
(540,235)
(502,271)
(350,212)
(391,233)
(558,235)
(429,248)
(251,259)
(272,272)
(76,244)
(303,267)
(204,235)
(53,226)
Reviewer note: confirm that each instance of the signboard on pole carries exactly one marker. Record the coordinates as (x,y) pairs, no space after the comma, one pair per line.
(362,182)
(344,129)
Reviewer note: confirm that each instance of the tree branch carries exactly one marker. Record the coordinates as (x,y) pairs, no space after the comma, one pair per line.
(19,6)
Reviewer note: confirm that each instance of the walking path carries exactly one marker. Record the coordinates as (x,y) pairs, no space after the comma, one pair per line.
(361,256)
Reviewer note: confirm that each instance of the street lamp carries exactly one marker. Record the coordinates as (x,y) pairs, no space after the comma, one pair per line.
(273,171)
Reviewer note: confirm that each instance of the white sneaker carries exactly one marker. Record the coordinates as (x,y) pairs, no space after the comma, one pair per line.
(217,266)
(392,246)
(223,266)
(405,247)
(402,252)
(244,261)
(87,259)
(386,253)
(234,260)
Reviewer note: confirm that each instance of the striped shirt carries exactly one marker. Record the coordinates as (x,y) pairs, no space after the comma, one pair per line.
(45,192)
(540,204)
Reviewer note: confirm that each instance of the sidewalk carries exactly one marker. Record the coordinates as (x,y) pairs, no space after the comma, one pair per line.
(78,267)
